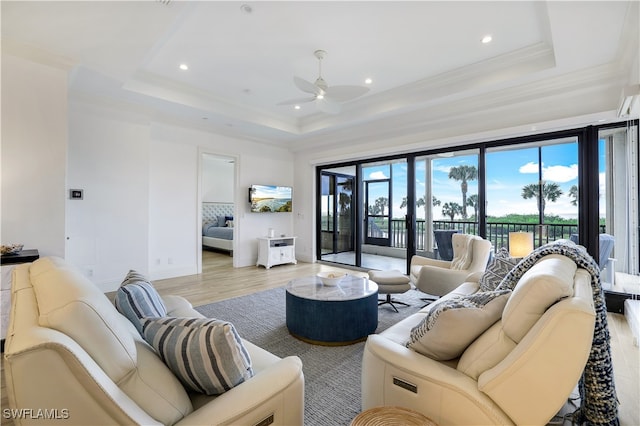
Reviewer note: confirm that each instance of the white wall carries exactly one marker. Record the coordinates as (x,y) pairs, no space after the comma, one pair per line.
(34,149)
(173,188)
(218,179)
(109,159)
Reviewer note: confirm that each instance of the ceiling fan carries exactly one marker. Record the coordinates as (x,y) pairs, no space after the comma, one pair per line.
(327,98)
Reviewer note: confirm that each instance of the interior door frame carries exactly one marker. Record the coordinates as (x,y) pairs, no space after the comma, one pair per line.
(237,200)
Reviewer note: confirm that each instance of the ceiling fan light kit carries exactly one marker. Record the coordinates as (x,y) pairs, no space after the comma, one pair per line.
(327,98)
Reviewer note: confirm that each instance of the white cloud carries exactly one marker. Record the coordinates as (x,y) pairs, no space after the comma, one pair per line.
(377,175)
(529,168)
(560,173)
(443,169)
(552,173)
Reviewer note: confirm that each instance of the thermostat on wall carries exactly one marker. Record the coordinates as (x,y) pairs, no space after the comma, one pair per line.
(75,194)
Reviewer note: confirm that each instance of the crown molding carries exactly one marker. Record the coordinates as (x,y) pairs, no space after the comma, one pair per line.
(37,55)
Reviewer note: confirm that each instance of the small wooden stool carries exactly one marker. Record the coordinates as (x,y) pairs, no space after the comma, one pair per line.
(391,416)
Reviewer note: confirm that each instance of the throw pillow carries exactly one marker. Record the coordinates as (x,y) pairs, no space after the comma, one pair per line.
(453,324)
(207,355)
(497,270)
(139,300)
(134,277)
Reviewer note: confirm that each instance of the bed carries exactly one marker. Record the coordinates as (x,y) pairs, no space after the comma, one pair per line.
(217,226)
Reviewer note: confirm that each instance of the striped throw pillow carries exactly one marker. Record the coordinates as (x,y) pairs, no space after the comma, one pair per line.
(134,277)
(139,300)
(207,355)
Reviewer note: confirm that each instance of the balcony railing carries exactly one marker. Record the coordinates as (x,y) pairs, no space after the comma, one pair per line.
(497,232)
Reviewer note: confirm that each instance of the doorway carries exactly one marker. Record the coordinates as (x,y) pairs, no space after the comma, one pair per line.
(216,210)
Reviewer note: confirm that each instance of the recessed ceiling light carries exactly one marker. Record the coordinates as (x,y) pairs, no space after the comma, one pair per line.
(184,67)
(368,81)
(487,39)
(320,96)
(296,107)
(246,8)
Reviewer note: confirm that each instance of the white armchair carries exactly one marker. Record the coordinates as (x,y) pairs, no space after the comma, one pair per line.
(438,277)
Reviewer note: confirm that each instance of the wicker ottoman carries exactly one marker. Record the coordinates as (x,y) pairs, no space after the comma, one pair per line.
(388,416)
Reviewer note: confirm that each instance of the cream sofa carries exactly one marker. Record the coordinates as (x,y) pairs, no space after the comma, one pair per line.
(70,355)
(521,370)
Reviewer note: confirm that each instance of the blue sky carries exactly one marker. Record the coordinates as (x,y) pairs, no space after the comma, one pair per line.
(508,171)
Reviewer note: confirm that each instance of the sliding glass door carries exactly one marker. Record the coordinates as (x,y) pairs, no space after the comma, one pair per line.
(618,202)
(577,184)
(337,224)
(384,245)
(532,188)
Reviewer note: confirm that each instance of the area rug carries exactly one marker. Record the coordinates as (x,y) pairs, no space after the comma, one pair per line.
(331,373)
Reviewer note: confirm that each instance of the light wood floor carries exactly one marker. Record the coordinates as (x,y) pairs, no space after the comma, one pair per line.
(219,281)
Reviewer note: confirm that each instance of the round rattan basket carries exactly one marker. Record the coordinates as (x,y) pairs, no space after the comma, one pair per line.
(386,416)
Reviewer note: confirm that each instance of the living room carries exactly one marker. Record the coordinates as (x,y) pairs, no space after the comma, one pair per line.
(67,125)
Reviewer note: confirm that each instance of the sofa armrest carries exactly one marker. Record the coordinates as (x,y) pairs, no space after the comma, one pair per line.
(438,281)
(536,361)
(474,277)
(46,369)
(440,392)
(276,391)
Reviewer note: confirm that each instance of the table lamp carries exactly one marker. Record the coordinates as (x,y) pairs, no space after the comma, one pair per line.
(520,244)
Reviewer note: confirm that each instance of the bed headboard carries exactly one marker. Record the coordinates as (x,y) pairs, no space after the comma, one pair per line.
(211,211)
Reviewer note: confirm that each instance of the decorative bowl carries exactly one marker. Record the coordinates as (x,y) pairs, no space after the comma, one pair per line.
(331,278)
(11,248)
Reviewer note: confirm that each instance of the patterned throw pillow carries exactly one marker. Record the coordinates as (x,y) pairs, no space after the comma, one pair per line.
(206,354)
(139,300)
(453,324)
(497,270)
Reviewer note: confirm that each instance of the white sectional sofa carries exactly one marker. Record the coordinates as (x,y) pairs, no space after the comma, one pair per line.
(70,352)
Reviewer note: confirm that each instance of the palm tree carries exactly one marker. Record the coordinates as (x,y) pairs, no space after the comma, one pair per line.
(435,202)
(550,191)
(419,202)
(463,174)
(472,201)
(573,193)
(451,210)
(380,204)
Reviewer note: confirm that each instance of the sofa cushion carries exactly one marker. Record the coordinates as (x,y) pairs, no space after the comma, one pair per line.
(453,324)
(545,283)
(70,303)
(206,354)
(497,270)
(485,352)
(139,300)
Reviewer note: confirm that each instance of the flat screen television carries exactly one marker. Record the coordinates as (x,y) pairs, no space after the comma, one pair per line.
(270,198)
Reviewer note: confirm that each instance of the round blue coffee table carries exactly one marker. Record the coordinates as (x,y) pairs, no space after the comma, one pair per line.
(332,315)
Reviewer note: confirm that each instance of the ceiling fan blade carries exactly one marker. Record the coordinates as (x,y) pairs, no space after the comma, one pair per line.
(297,101)
(345,93)
(306,86)
(328,106)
